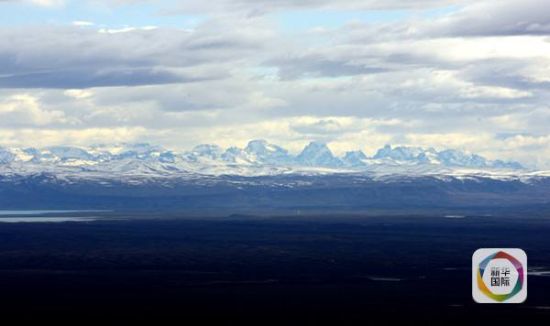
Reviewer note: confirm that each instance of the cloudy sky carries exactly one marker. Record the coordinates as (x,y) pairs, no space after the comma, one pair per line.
(472,75)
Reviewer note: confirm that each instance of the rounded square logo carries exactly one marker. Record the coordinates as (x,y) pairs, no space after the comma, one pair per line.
(499,275)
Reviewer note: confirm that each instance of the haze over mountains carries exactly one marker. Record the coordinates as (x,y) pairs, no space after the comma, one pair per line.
(258,158)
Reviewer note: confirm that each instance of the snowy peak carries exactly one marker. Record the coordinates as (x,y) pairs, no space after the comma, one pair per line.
(236,155)
(401,153)
(258,158)
(206,151)
(125,151)
(355,159)
(446,158)
(499,164)
(262,147)
(264,152)
(65,153)
(457,158)
(6,156)
(318,154)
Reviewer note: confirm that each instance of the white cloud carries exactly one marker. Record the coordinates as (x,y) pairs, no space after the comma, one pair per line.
(49,137)
(47,3)
(78,93)
(25,110)
(126,29)
(238,75)
(259,7)
(82,23)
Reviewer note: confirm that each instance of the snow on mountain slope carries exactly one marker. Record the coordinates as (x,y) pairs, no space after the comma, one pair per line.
(355,159)
(318,154)
(237,156)
(265,153)
(448,158)
(258,158)
(6,156)
(401,153)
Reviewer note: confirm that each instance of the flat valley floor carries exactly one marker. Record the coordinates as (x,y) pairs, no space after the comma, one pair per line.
(340,270)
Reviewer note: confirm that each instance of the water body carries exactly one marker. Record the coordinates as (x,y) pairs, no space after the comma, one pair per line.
(455,216)
(45,219)
(40,212)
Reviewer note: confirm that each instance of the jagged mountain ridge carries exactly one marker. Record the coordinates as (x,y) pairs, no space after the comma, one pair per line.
(261,176)
(258,158)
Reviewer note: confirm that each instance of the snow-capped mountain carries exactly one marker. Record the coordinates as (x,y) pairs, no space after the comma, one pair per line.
(6,156)
(237,156)
(355,159)
(263,152)
(447,158)
(258,158)
(318,154)
(261,176)
(401,153)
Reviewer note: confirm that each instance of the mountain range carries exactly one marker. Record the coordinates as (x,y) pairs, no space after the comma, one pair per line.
(265,177)
(258,158)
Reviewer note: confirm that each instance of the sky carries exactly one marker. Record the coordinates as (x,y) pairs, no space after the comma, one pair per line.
(357,74)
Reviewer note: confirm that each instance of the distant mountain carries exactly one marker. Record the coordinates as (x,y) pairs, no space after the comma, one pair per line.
(446,158)
(318,154)
(6,156)
(258,158)
(266,153)
(237,155)
(263,177)
(211,152)
(401,153)
(355,159)
(65,153)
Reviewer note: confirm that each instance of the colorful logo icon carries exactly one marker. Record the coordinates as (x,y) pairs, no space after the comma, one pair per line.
(499,276)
